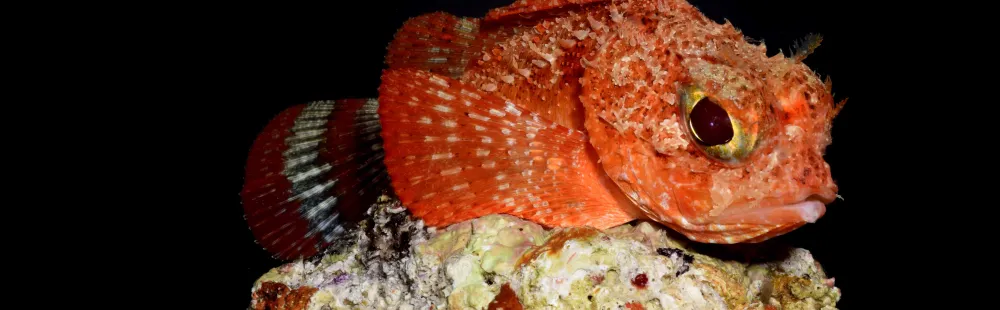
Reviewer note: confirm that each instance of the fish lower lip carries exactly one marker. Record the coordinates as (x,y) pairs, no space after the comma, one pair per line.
(808,210)
(811,209)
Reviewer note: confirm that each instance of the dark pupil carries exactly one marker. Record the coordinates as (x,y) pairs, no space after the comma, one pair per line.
(710,123)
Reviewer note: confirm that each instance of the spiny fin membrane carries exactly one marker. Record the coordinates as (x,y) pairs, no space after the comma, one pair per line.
(455,153)
(806,46)
(437,42)
(521,7)
(315,169)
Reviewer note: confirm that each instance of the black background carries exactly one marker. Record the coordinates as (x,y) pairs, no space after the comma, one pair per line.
(275,58)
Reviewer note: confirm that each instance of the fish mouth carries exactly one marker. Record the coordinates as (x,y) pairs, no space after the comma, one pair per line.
(808,209)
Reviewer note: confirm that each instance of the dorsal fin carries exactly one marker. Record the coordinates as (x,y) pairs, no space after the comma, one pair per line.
(528,7)
(806,46)
(437,42)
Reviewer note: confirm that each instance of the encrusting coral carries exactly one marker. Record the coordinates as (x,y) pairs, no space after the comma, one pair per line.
(501,261)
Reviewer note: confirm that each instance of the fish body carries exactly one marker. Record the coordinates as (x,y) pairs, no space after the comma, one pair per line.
(565,113)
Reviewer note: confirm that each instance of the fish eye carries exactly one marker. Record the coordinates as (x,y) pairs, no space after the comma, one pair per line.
(710,123)
(714,130)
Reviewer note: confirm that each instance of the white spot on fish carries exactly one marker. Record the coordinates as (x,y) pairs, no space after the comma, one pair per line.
(567,43)
(509,79)
(442,108)
(430,139)
(512,109)
(482,152)
(503,186)
(480,128)
(490,87)
(665,201)
(793,131)
(497,113)
(442,156)
(451,171)
(449,123)
(479,117)
(460,187)
(554,163)
(439,80)
(489,164)
(487,140)
(505,131)
(500,176)
(445,96)
(470,94)
(511,141)
(452,138)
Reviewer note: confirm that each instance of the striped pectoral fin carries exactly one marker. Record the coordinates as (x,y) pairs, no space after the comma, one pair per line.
(438,42)
(456,153)
(312,172)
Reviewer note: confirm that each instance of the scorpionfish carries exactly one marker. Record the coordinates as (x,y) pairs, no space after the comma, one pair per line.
(562,112)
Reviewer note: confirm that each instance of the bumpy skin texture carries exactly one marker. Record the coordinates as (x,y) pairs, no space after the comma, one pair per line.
(635,91)
(627,74)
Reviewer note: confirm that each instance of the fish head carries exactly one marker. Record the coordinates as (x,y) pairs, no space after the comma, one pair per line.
(755,146)
(704,132)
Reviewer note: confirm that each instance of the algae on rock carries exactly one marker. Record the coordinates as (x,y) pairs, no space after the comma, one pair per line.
(395,262)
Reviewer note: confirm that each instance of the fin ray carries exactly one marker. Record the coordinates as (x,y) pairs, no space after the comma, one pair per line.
(438,42)
(522,7)
(314,169)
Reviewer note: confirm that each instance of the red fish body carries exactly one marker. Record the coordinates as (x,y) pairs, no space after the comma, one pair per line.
(566,113)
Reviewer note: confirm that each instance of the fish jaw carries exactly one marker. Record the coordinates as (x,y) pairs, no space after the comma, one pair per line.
(684,200)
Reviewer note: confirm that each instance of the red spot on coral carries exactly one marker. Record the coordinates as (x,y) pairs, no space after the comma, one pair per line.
(640,281)
(274,295)
(598,279)
(507,299)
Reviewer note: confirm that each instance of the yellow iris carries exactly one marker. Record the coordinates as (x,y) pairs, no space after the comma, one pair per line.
(731,152)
